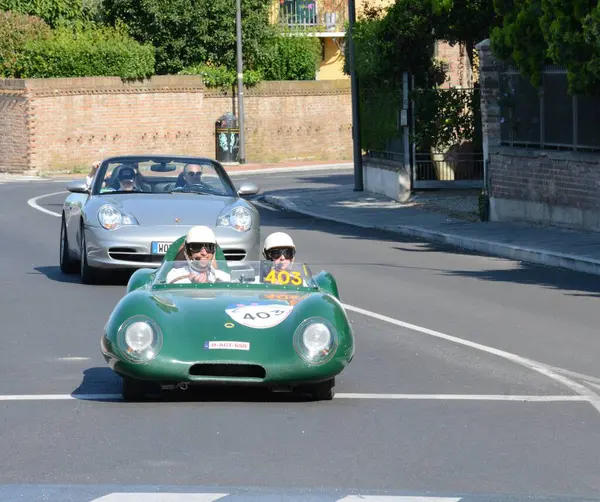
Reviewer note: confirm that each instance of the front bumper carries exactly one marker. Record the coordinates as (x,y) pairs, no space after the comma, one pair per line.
(131,246)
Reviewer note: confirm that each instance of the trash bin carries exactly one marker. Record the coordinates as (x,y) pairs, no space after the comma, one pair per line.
(227,138)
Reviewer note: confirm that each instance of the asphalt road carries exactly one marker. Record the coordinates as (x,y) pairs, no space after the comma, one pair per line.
(397,425)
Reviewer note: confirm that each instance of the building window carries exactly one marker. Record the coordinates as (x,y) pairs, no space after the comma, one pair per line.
(298,12)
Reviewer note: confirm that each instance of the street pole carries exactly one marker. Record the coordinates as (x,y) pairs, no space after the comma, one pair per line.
(240,80)
(357,151)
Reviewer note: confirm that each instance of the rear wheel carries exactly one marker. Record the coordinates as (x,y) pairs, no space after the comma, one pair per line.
(133,390)
(67,265)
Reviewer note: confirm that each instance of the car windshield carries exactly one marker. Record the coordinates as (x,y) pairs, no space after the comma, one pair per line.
(203,273)
(177,175)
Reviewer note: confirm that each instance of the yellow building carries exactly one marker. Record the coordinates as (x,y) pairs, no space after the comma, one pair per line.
(325,19)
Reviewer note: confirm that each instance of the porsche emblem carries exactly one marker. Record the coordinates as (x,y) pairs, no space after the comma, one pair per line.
(177,220)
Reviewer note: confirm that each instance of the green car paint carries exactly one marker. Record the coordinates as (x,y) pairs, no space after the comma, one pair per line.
(204,325)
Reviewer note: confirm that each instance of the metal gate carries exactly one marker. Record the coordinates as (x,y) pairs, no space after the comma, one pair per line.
(445,138)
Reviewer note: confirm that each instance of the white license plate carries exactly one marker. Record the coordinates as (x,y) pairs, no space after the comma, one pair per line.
(160,247)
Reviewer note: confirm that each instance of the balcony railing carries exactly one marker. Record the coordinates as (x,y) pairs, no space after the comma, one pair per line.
(314,15)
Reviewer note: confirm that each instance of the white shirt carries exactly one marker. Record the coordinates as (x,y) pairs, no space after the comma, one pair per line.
(213,275)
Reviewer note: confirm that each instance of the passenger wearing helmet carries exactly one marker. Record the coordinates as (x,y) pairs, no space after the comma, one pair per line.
(280,251)
(199,250)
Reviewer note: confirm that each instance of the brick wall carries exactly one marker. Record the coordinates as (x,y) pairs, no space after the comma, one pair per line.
(543,186)
(71,122)
(14,137)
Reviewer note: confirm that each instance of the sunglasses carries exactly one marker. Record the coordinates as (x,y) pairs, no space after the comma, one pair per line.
(287,253)
(196,248)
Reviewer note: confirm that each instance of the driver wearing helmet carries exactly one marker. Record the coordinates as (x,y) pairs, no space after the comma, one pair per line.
(280,251)
(199,249)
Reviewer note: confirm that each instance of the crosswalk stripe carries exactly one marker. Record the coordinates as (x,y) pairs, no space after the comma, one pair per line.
(394,498)
(161,497)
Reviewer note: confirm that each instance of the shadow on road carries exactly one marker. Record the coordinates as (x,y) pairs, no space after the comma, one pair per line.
(104,381)
(54,273)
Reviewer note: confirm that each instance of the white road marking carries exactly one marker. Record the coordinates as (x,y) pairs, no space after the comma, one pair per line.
(160,497)
(465,397)
(264,206)
(59,397)
(392,498)
(339,395)
(33,203)
(582,390)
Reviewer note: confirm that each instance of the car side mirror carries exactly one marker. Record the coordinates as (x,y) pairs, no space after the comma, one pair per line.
(78,187)
(248,189)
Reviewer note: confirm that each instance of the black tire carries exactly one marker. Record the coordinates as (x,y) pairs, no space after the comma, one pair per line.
(323,391)
(87,273)
(67,264)
(133,390)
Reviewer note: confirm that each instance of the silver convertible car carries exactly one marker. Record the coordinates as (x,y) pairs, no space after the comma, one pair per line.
(136,206)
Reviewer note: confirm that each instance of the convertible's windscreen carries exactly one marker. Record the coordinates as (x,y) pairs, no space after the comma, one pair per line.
(209,271)
(146,175)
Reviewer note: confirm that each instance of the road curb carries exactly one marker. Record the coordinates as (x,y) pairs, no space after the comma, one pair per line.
(512,252)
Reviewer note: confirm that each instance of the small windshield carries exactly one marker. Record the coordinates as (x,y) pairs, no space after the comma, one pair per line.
(219,273)
(147,174)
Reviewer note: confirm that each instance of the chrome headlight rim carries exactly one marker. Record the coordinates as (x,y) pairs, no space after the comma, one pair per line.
(148,353)
(224,219)
(125,219)
(324,355)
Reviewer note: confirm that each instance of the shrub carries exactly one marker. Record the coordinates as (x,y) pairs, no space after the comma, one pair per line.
(15,31)
(85,51)
(220,76)
(293,58)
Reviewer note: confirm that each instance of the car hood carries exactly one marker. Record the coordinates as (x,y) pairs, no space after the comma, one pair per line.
(170,209)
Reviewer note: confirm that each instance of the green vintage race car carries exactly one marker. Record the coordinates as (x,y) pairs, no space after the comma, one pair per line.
(285,330)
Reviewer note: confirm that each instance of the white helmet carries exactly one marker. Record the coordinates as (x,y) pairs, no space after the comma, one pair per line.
(201,234)
(198,235)
(278,240)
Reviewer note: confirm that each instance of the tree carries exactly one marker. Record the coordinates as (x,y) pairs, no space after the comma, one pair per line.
(464,21)
(191,32)
(560,32)
(52,12)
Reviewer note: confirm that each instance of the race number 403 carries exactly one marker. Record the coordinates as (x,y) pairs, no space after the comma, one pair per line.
(260,316)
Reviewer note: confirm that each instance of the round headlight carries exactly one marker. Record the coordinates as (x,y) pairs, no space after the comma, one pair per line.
(139,336)
(315,340)
(110,217)
(140,339)
(316,337)
(241,219)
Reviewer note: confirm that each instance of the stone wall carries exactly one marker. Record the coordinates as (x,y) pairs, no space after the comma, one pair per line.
(59,124)
(544,186)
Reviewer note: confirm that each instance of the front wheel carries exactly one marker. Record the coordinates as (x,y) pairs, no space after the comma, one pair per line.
(133,390)
(323,391)
(67,265)
(87,273)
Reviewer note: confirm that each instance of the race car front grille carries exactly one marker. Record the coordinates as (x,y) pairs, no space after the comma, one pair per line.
(129,254)
(228,370)
(234,254)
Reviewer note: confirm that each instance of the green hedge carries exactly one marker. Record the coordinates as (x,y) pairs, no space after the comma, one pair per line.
(220,76)
(84,52)
(293,58)
(15,31)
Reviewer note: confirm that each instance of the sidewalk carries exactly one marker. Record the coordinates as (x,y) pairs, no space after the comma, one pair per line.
(446,218)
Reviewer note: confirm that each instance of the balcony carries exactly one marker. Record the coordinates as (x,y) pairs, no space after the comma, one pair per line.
(322,17)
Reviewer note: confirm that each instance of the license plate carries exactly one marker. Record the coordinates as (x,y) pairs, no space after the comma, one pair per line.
(160,247)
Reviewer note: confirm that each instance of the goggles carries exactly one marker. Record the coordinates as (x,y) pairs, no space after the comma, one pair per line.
(196,247)
(287,253)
